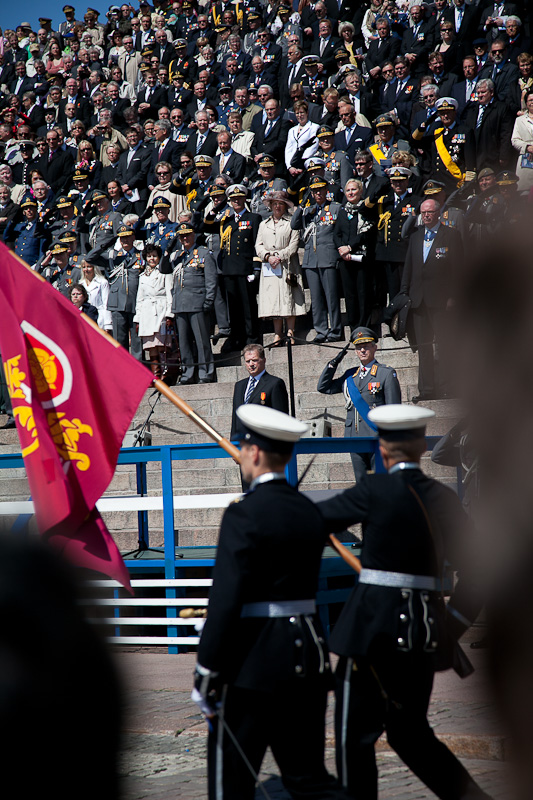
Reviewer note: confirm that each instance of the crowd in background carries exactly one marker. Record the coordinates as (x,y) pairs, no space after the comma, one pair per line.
(169,164)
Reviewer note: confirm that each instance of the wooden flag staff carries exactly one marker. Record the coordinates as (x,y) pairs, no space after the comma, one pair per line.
(234,452)
(186,409)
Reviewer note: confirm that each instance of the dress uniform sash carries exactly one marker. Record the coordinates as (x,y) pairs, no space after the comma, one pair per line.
(359,404)
(446,158)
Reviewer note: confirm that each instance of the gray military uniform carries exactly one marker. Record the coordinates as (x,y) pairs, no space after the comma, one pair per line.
(338,169)
(123,275)
(212,240)
(257,191)
(193,295)
(378,387)
(320,263)
(103,231)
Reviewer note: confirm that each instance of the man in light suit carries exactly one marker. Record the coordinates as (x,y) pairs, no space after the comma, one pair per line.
(259,387)
(129,61)
(433,255)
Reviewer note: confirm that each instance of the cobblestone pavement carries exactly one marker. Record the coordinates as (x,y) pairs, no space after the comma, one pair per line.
(164,747)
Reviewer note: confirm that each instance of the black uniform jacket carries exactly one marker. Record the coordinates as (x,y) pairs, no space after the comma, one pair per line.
(269,549)
(397,538)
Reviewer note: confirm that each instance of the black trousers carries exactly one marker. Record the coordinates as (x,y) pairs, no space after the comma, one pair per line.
(433,371)
(357,288)
(290,721)
(391,693)
(242,303)
(123,328)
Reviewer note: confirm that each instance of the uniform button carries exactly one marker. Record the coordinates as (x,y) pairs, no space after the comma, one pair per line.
(401,641)
(298,669)
(298,643)
(405,595)
(403,617)
(434,644)
(425,596)
(431,620)
(292,620)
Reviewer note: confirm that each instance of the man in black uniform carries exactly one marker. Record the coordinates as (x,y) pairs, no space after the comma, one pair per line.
(370,385)
(238,232)
(263,666)
(395,630)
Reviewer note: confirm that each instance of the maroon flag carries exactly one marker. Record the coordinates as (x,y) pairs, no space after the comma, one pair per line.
(74,392)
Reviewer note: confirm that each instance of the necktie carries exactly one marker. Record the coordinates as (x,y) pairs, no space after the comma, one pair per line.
(222,162)
(268,128)
(199,142)
(460,13)
(480,116)
(251,386)
(348,135)
(322,46)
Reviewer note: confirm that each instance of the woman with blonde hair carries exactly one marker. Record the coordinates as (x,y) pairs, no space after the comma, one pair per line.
(281,293)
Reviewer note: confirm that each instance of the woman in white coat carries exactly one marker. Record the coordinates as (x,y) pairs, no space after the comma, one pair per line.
(522,140)
(153,311)
(281,293)
(97,289)
(301,140)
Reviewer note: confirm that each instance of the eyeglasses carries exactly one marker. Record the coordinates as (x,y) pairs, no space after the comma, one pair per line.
(163,172)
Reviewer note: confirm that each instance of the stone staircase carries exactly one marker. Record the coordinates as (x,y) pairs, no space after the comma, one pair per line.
(214,402)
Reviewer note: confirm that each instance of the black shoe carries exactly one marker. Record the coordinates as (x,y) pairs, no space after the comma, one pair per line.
(331,337)
(186,382)
(220,335)
(481,644)
(230,346)
(319,338)
(206,380)
(9,424)
(422,398)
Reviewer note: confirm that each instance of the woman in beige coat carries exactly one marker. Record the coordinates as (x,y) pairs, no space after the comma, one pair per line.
(522,140)
(281,294)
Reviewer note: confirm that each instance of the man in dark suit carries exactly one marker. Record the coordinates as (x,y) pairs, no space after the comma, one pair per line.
(259,387)
(491,123)
(33,113)
(401,94)
(433,257)
(151,98)
(325,46)
(56,165)
(202,141)
(7,71)
(164,149)
(163,49)
(21,82)
(262,76)
(238,232)
(493,17)
(465,91)
(272,137)
(465,19)
(384,48)
(116,105)
(412,525)
(373,184)
(292,71)
(499,69)
(270,52)
(75,97)
(228,162)
(354,137)
(133,168)
(417,41)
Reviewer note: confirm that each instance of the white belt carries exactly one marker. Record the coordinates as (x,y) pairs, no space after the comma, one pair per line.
(281,608)
(399,580)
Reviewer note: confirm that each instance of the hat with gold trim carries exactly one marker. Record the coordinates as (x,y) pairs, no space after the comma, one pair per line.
(267,161)
(64,201)
(324,130)
(236,190)
(58,248)
(99,194)
(184,228)
(80,175)
(447,104)
(162,202)
(314,163)
(67,237)
(384,119)
(125,230)
(28,202)
(215,190)
(433,187)
(362,335)
(399,173)
(203,161)
(317,183)
(507,178)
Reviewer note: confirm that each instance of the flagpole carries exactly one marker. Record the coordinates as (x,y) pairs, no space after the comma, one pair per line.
(186,409)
